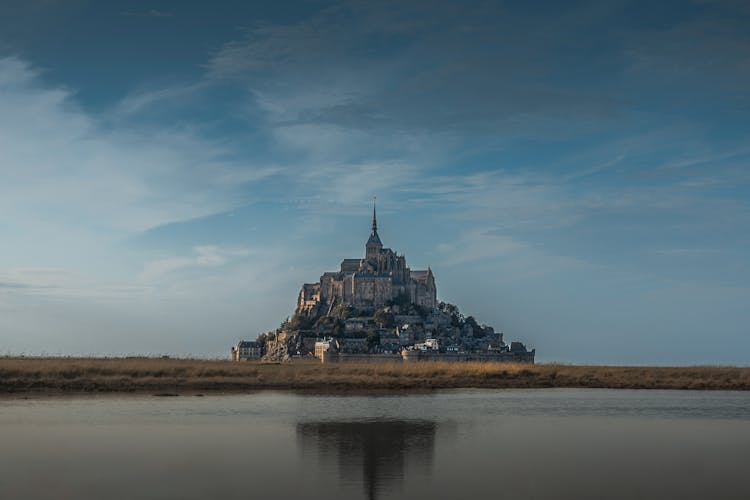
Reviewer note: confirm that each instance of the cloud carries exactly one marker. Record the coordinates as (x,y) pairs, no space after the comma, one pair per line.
(479,246)
(35,279)
(689,252)
(367,66)
(138,102)
(711,49)
(204,256)
(56,159)
(153,13)
(62,284)
(417,90)
(13,286)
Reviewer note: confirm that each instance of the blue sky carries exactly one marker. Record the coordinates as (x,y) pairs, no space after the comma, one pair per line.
(576,173)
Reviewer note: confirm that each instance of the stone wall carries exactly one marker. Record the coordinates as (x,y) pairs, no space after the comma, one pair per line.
(330,356)
(506,357)
(333,357)
(371,291)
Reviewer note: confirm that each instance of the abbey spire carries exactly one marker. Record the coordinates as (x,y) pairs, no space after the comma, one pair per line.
(373,245)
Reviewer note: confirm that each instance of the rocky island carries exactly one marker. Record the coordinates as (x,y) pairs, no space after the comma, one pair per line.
(376,308)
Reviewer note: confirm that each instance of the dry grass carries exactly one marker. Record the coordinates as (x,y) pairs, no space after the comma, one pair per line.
(60,375)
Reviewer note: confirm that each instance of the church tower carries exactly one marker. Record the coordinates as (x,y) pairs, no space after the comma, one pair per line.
(373,246)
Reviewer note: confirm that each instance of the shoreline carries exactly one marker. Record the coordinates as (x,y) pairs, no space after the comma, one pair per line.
(193,377)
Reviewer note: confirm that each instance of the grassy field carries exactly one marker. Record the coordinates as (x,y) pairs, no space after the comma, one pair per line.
(173,376)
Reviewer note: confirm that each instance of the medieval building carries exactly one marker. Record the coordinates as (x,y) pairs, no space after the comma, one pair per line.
(370,282)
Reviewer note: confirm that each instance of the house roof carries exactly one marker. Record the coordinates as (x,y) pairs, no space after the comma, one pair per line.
(350,264)
(420,275)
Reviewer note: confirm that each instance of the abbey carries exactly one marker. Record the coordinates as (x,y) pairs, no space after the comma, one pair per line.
(369,283)
(377,309)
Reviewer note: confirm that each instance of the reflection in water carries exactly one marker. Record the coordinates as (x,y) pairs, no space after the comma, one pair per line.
(524,445)
(375,453)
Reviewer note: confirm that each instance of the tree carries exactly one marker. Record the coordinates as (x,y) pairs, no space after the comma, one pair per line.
(373,339)
(477,331)
(401,300)
(299,322)
(456,320)
(423,311)
(265,337)
(341,311)
(384,319)
(338,329)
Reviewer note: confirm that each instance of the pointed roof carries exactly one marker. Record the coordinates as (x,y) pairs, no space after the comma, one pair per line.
(374,238)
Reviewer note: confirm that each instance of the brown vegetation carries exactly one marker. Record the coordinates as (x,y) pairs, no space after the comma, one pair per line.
(168,376)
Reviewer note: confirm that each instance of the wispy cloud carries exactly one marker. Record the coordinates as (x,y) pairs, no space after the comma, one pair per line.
(34,279)
(689,252)
(204,256)
(415,80)
(144,100)
(63,284)
(152,13)
(711,49)
(478,246)
(53,156)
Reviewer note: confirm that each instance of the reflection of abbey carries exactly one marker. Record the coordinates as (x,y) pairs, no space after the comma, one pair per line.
(371,282)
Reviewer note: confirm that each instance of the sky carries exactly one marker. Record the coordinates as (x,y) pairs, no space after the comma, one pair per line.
(576,174)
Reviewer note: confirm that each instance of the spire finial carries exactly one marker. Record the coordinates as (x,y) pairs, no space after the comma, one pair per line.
(374,215)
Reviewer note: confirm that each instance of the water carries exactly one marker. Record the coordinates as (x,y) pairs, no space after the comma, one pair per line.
(540,444)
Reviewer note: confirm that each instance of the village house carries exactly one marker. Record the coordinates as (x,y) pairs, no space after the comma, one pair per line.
(247,350)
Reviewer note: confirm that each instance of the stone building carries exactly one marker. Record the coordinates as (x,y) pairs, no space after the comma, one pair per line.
(323,346)
(370,282)
(246,349)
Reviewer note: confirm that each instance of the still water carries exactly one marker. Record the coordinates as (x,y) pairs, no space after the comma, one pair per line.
(516,444)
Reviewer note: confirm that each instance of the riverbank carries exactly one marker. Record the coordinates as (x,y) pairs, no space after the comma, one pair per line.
(178,376)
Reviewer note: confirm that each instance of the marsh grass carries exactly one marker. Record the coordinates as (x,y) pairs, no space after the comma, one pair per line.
(161,375)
